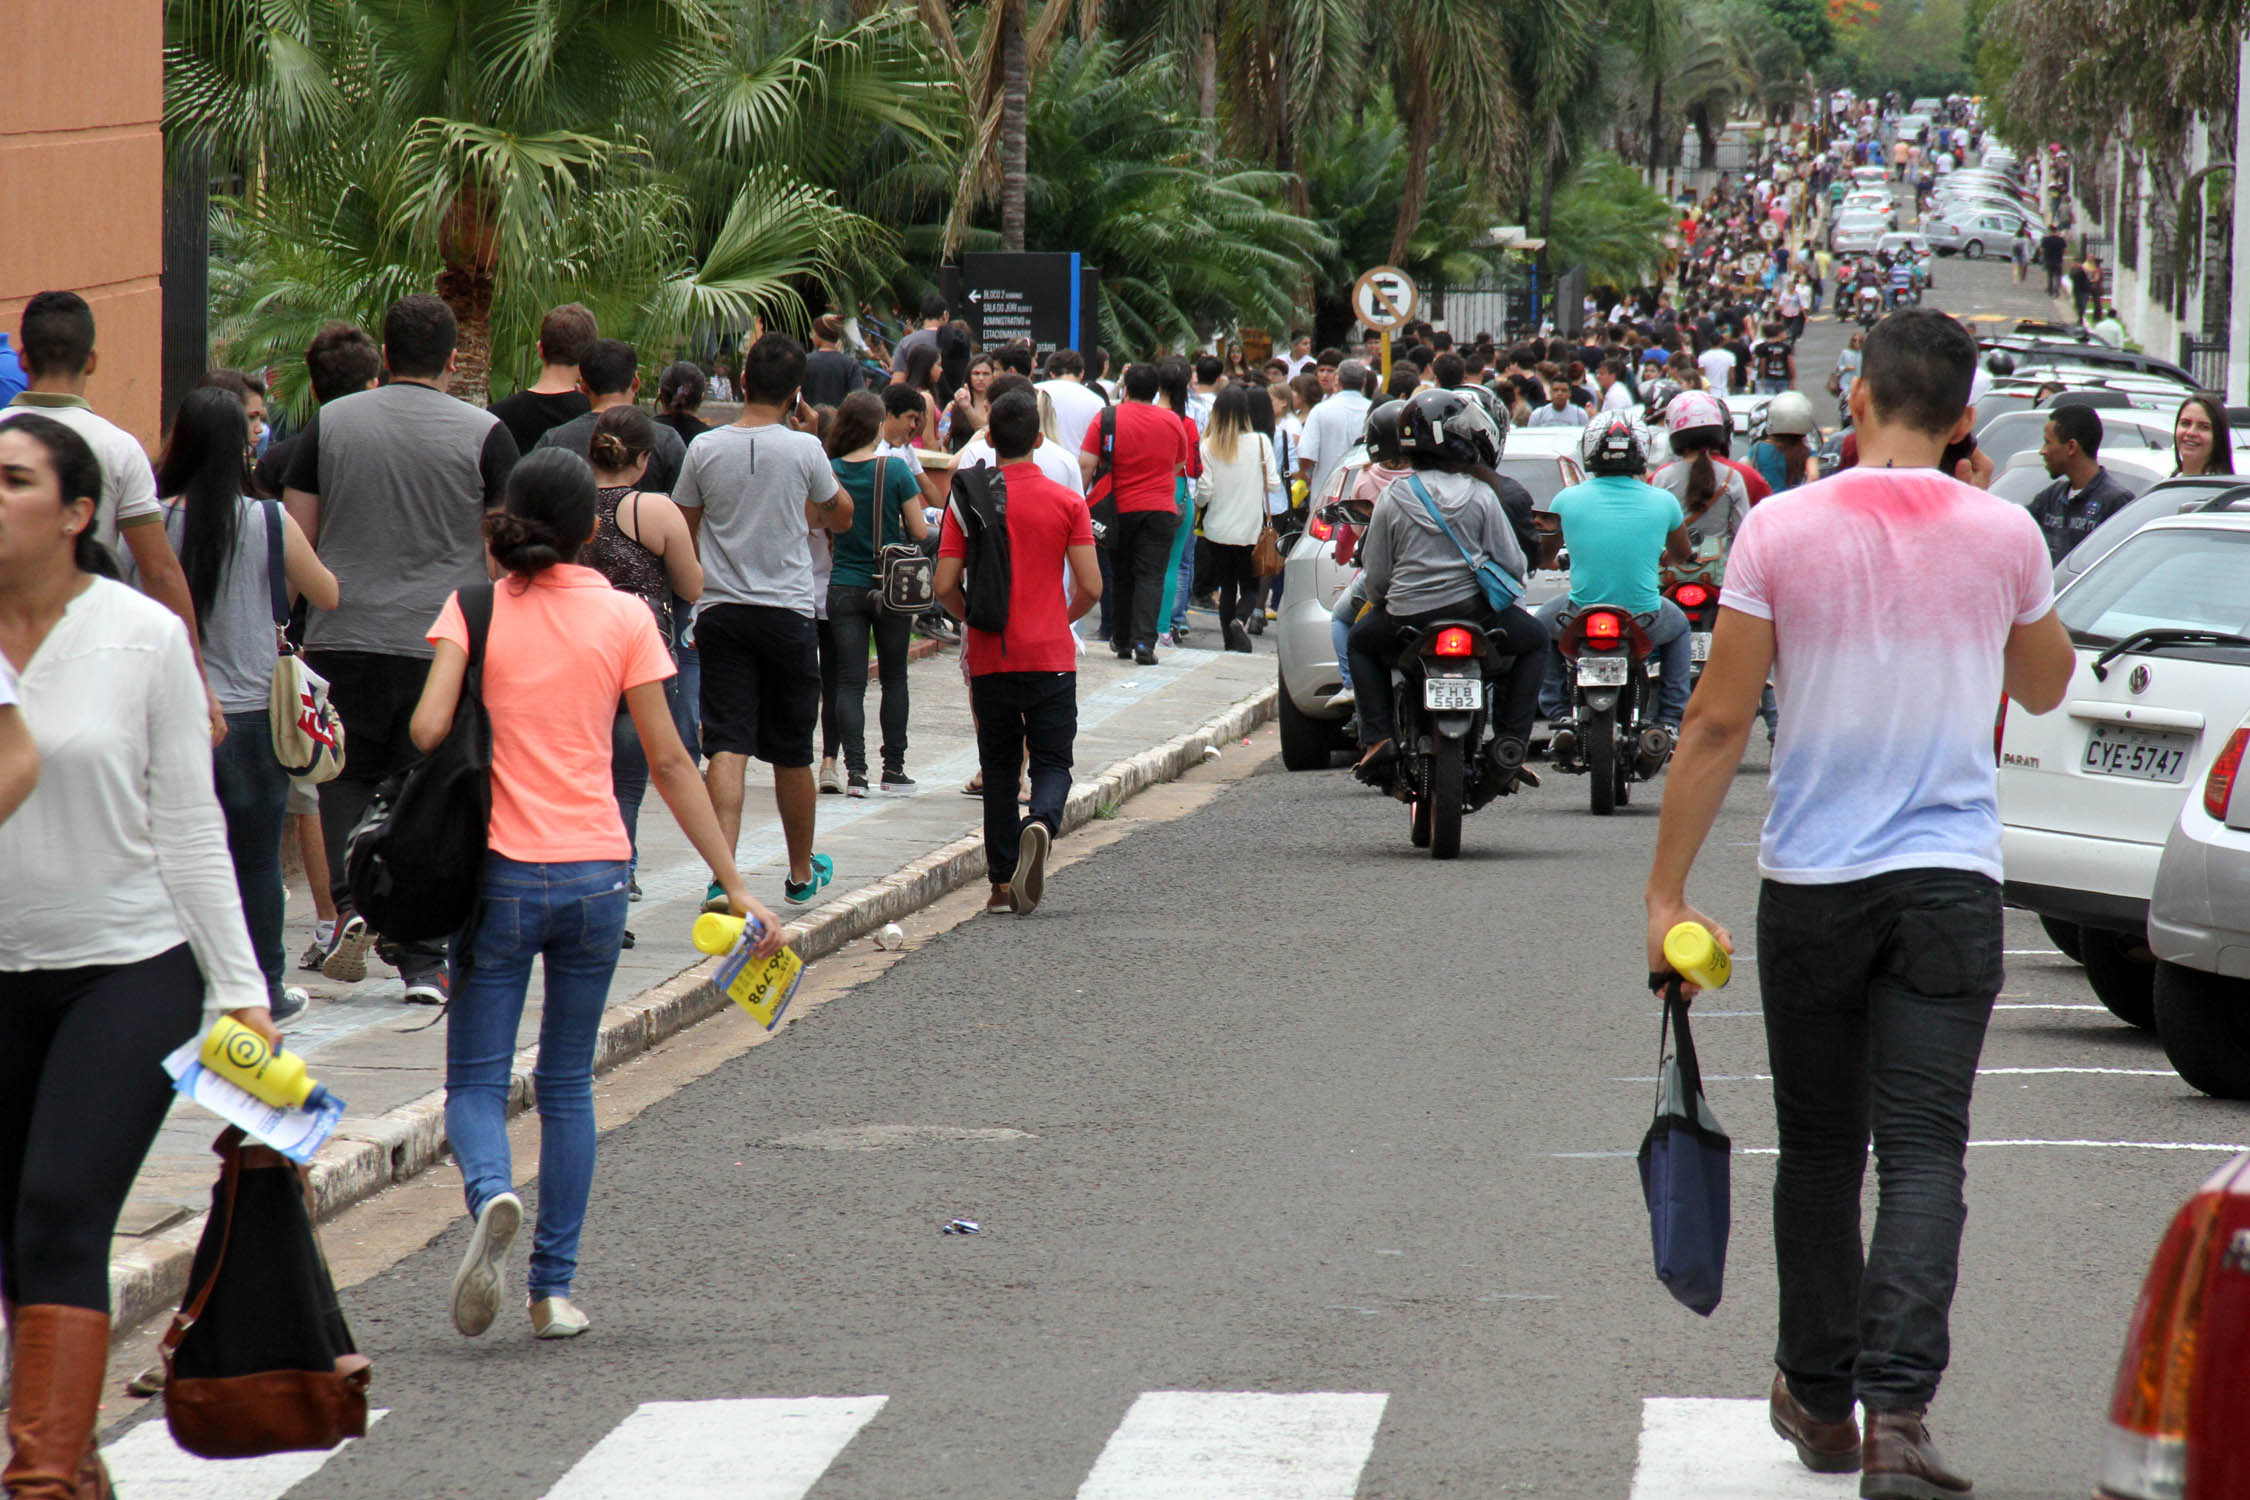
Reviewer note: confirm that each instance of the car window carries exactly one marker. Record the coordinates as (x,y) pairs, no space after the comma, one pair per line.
(2012,433)
(1544,475)
(1996,405)
(2178,578)
(2167,499)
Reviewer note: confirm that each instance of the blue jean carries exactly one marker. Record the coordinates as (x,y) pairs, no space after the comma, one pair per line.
(684,691)
(1667,632)
(628,776)
(254,795)
(573,917)
(1340,634)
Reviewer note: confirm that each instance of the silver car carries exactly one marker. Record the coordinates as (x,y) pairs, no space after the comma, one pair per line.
(1976,230)
(2199,926)
(1858,233)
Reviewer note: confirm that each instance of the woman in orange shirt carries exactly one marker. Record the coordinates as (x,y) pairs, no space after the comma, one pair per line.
(562,648)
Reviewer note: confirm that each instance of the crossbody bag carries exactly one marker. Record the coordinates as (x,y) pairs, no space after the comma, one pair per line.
(307,733)
(905,575)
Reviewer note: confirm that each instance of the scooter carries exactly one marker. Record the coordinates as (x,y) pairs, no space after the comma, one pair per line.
(1699,601)
(1443,680)
(1609,732)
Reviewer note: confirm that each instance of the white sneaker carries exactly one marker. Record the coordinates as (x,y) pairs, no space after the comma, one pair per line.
(557,1318)
(476,1286)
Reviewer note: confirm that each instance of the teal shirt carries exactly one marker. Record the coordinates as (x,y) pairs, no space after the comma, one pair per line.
(855,549)
(1615,528)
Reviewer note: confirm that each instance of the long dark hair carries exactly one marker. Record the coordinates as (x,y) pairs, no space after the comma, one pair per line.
(858,422)
(548,515)
(1703,475)
(78,476)
(921,367)
(204,468)
(2222,439)
(1172,384)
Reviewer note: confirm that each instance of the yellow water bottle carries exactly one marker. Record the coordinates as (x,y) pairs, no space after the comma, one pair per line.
(241,1056)
(717,932)
(1695,955)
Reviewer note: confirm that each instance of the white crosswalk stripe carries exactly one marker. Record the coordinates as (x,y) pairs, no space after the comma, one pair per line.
(1237,1445)
(1698,1449)
(767,1449)
(147,1465)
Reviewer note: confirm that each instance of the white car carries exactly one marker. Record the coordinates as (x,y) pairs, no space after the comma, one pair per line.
(1858,233)
(1870,201)
(2089,792)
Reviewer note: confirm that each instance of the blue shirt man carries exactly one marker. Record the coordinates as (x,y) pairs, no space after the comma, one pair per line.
(1619,529)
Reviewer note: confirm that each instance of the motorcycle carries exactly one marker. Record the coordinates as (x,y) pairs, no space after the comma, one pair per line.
(1870,305)
(1442,682)
(1700,603)
(1610,731)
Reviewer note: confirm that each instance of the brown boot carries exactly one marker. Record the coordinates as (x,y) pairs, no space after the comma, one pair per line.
(1898,1461)
(61,1356)
(1823,1447)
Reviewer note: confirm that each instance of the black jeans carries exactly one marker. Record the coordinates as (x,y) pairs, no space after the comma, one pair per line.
(855,614)
(82,1092)
(831,743)
(1374,641)
(375,696)
(1140,547)
(254,796)
(1240,589)
(1012,709)
(1876,996)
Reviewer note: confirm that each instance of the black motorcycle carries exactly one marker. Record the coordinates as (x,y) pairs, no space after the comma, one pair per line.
(1443,682)
(1609,731)
(1699,601)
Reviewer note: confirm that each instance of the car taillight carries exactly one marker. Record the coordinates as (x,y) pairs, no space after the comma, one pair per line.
(1321,529)
(1691,595)
(2218,787)
(2145,1448)
(1454,641)
(1604,627)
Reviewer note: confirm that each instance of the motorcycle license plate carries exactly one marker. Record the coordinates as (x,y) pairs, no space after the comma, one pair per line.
(2140,754)
(1453,694)
(1699,646)
(1602,671)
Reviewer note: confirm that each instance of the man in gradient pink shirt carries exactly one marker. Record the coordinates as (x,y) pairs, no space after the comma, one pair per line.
(1893,605)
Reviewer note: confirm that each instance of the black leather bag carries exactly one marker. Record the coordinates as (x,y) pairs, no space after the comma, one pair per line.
(905,575)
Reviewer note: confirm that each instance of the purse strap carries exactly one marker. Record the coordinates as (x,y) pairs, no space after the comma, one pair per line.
(877,549)
(229,1147)
(277,567)
(1683,1042)
(1430,505)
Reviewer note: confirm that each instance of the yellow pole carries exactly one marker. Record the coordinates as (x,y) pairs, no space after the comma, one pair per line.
(1386,359)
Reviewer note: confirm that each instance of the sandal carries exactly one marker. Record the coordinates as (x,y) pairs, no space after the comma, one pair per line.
(975,787)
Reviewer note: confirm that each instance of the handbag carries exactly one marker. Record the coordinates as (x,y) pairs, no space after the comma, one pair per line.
(1684,1170)
(1101,485)
(1500,589)
(259,1359)
(415,859)
(905,575)
(308,734)
(1265,557)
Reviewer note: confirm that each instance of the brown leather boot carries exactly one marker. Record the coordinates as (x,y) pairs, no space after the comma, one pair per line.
(1823,1447)
(1898,1461)
(61,1356)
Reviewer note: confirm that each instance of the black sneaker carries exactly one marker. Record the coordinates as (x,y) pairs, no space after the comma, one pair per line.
(897,781)
(429,987)
(1144,656)
(1238,636)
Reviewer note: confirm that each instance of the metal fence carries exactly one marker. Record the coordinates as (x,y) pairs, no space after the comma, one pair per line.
(2205,360)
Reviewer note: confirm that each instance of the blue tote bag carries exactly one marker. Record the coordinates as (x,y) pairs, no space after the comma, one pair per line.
(1684,1170)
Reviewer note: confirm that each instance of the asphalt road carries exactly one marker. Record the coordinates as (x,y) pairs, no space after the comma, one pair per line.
(1262,1101)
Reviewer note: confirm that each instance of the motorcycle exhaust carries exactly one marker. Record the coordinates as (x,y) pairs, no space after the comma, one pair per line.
(1655,750)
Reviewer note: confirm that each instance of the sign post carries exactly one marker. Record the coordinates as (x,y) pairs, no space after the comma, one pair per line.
(1043,298)
(1385,298)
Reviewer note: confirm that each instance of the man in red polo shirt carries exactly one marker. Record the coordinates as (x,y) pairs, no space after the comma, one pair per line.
(1023,680)
(1147,454)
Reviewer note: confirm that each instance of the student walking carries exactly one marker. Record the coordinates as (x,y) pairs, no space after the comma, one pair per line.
(120,931)
(886,509)
(1148,451)
(556,397)
(561,649)
(1239,475)
(1023,679)
(1879,924)
(231,547)
(609,374)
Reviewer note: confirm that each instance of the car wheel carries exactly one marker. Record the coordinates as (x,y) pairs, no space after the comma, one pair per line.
(2123,974)
(2203,1020)
(1974,250)
(1307,743)
(2067,936)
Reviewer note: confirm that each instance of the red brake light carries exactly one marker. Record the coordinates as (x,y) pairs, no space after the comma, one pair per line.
(1604,626)
(1691,595)
(2144,1452)
(2218,787)
(1321,529)
(1454,641)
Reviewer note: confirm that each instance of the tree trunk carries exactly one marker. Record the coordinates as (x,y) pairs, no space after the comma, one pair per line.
(469,241)
(1421,139)
(1015,91)
(1656,131)
(1207,89)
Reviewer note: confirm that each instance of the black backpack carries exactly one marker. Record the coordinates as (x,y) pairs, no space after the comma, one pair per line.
(980,507)
(415,859)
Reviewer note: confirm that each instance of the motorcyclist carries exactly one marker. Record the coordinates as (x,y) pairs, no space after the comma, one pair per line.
(1620,530)
(1413,574)
(1385,462)
(1714,499)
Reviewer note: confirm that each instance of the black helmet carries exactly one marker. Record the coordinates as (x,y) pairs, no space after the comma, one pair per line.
(2000,362)
(1495,408)
(1448,429)
(1383,434)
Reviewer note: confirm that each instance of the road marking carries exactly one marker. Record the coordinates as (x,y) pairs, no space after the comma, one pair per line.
(1981,1073)
(148,1465)
(1702,1449)
(765,1449)
(2076,1145)
(2047,1005)
(2033,952)
(1237,1445)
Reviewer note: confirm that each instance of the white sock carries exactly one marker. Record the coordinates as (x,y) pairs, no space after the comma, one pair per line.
(324,932)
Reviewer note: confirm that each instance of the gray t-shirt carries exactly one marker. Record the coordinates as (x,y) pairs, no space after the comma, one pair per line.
(752,485)
(664,459)
(237,633)
(405,474)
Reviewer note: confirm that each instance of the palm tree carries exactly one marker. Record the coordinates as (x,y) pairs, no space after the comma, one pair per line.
(996,79)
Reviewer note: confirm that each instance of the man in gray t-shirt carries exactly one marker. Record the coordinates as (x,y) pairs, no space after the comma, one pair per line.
(392,485)
(749,490)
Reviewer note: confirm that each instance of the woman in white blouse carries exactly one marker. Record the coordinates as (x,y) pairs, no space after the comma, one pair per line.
(119,930)
(1239,475)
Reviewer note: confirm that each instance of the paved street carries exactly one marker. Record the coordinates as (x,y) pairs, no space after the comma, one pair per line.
(1303,1166)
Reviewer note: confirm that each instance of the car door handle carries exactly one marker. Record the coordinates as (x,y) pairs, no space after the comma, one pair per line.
(2140,717)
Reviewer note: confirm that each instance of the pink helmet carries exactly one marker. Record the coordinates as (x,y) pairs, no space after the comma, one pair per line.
(1692,409)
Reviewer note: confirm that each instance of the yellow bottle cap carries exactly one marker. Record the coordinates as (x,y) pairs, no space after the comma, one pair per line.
(1696,955)
(716,932)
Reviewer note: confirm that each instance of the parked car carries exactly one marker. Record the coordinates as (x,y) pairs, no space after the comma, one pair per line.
(1314,707)
(1857,233)
(2169,497)
(1871,201)
(2022,476)
(2089,793)
(2199,930)
(1871,176)
(1989,227)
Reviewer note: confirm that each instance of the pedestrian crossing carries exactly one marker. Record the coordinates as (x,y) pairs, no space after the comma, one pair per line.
(1171,1445)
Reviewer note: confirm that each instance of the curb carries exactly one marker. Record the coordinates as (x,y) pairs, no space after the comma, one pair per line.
(365,1157)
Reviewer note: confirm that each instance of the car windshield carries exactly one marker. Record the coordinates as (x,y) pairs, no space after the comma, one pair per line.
(1542,474)
(2175,578)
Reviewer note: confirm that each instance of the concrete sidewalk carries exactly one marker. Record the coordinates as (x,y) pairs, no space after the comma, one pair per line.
(894,852)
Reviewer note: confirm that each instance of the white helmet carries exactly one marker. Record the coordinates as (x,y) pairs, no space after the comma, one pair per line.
(1789,414)
(1615,442)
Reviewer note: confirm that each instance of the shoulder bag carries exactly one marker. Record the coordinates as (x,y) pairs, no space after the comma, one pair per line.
(259,1358)
(308,735)
(1101,488)
(905,575)
(1684,1171)
(1265,557)
(1499,587)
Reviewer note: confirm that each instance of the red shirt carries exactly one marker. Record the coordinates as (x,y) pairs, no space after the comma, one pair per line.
(1752,480)
(1151,446)
(1044,519)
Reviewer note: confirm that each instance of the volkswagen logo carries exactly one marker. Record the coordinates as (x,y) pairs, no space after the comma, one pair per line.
(2138,682)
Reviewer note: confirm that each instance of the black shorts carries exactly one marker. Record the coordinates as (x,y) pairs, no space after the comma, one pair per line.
(761,682)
